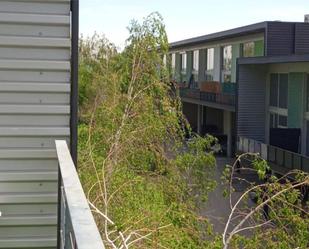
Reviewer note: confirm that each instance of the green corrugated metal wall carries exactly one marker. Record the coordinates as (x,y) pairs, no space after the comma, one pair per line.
(295,99)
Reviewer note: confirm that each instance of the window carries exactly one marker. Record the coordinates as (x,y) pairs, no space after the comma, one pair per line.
(278,100)
(210,64)
(226,63)
(195,67)
(279,90)
(248,49)
(195,60)
(173,62)
(252,48)
(278,121)
(183,57)
(183,62)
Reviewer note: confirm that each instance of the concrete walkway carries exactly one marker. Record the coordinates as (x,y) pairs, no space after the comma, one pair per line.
(217,208)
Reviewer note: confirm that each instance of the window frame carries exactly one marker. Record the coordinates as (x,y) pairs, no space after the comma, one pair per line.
(243,49)
(226,71)
(278,87)
(278,111)
(183,70)
(209,72)
(195,60)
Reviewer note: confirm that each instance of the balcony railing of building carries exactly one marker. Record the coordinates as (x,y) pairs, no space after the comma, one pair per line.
(76,226)
(214,92)
(281,160)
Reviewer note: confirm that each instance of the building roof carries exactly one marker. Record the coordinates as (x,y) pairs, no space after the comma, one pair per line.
(249,29)
(244,30)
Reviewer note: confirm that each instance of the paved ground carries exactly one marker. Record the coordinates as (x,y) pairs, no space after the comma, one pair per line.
(217,209)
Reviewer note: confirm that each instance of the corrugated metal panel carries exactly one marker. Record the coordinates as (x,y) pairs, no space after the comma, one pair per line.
(35,52)
(280,38)
(302,38)
(251,118)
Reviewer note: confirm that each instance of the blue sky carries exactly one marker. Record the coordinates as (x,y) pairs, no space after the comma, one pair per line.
(184,19)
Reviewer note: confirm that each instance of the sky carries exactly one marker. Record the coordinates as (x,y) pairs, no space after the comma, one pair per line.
(184,19)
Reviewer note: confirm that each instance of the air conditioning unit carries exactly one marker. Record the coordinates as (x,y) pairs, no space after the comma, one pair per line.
(307,18)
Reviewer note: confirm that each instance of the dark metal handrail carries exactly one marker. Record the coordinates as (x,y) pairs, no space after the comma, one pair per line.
(76,226)
(283,158)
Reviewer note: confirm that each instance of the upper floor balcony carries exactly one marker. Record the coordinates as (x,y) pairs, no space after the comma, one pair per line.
(210,93)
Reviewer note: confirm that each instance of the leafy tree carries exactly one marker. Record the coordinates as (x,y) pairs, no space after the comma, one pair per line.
(280,217)
(143,182)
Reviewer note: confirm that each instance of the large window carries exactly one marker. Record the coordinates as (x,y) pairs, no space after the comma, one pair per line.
(183,57)
(195,60)
(195,66)
(252,48)
(183,61)
(227,63)
(210,64)
(279,90)
(278,100)
(248,49)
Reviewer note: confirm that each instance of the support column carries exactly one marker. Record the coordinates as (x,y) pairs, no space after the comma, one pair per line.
(227,129)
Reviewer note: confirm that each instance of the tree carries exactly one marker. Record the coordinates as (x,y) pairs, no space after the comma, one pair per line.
(280,218)
(143,181)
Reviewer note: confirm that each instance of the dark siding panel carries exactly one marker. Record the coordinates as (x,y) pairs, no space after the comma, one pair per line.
(280,38)
(302,38)
(251,102)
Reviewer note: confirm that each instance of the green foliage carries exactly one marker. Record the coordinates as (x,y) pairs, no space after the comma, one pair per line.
(133,159)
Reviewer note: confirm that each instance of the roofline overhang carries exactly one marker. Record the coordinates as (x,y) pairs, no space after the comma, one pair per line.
(241,31)
(273,59)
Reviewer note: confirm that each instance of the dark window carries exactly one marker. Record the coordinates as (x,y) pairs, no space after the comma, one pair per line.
(283,91)
(279,90)
(273,90)
(283,121)
(278,121)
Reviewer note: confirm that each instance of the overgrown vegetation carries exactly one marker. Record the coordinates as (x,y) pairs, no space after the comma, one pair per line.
(144,180)
(140,179)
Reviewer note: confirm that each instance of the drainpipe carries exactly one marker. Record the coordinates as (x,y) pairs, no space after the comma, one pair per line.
(74,78)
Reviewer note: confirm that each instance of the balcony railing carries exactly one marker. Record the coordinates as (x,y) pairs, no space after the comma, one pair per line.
(283,159)
(225,94)
(76,226)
